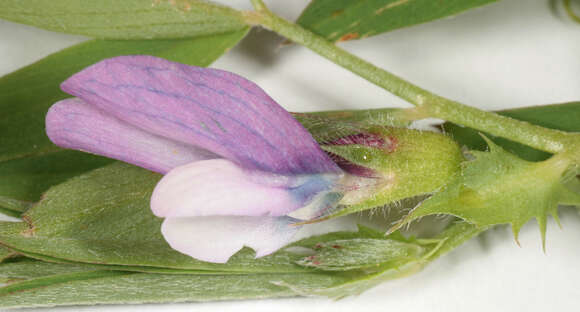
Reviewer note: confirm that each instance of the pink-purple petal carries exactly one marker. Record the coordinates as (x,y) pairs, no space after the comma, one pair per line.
(74,124)
(217,238)
(216,110)
(220,187)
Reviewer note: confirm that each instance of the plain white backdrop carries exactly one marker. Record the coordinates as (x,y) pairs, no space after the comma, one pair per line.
(509,54)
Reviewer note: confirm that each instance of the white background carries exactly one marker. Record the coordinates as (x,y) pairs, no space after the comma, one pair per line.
(509,54)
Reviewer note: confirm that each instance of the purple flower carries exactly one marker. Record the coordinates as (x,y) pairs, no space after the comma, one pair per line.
(239,170)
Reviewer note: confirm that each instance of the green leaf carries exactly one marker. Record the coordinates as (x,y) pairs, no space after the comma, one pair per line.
(556,116)
(341,20)
(33,283)
(23,180)
(362,254)
(103,217)
(27,269)
(13,207)
(29,162)
(6,253)
(50,285)
(449,239)
(498,187)
(127,19)
(363,232)
(356,285)
(367,249)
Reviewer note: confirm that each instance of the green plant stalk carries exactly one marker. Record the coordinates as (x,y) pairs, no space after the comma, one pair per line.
(570,11)
(427,103)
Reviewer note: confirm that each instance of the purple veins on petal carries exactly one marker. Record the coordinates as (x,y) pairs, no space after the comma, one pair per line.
(217,238)
(74,124)
(213,109)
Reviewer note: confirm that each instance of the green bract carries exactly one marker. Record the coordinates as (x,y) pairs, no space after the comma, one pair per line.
(498,187)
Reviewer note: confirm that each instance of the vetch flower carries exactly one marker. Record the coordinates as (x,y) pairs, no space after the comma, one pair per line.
(239,170)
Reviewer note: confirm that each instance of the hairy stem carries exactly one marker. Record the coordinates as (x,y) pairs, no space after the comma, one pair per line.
(427,103)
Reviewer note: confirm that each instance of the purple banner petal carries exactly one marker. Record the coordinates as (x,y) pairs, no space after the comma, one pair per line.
(74,124)
(216,110)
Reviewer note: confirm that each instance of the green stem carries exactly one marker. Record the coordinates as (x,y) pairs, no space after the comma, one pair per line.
(428,104)
(570,11)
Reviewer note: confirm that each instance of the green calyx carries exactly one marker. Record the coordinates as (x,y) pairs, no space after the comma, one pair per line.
(410,163)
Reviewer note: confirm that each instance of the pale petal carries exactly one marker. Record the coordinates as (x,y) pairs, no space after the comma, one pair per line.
(74,124)
(214,109)
(220,187)
(216,239)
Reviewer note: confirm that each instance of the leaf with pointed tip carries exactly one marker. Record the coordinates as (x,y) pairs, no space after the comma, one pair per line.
(362,254)
(341,20)
(446,241)
(103,217)
(367,249)
(498,187)
(33,283)
(128,19)
(47,286)
(28,279)
(563,116)
(29,162)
